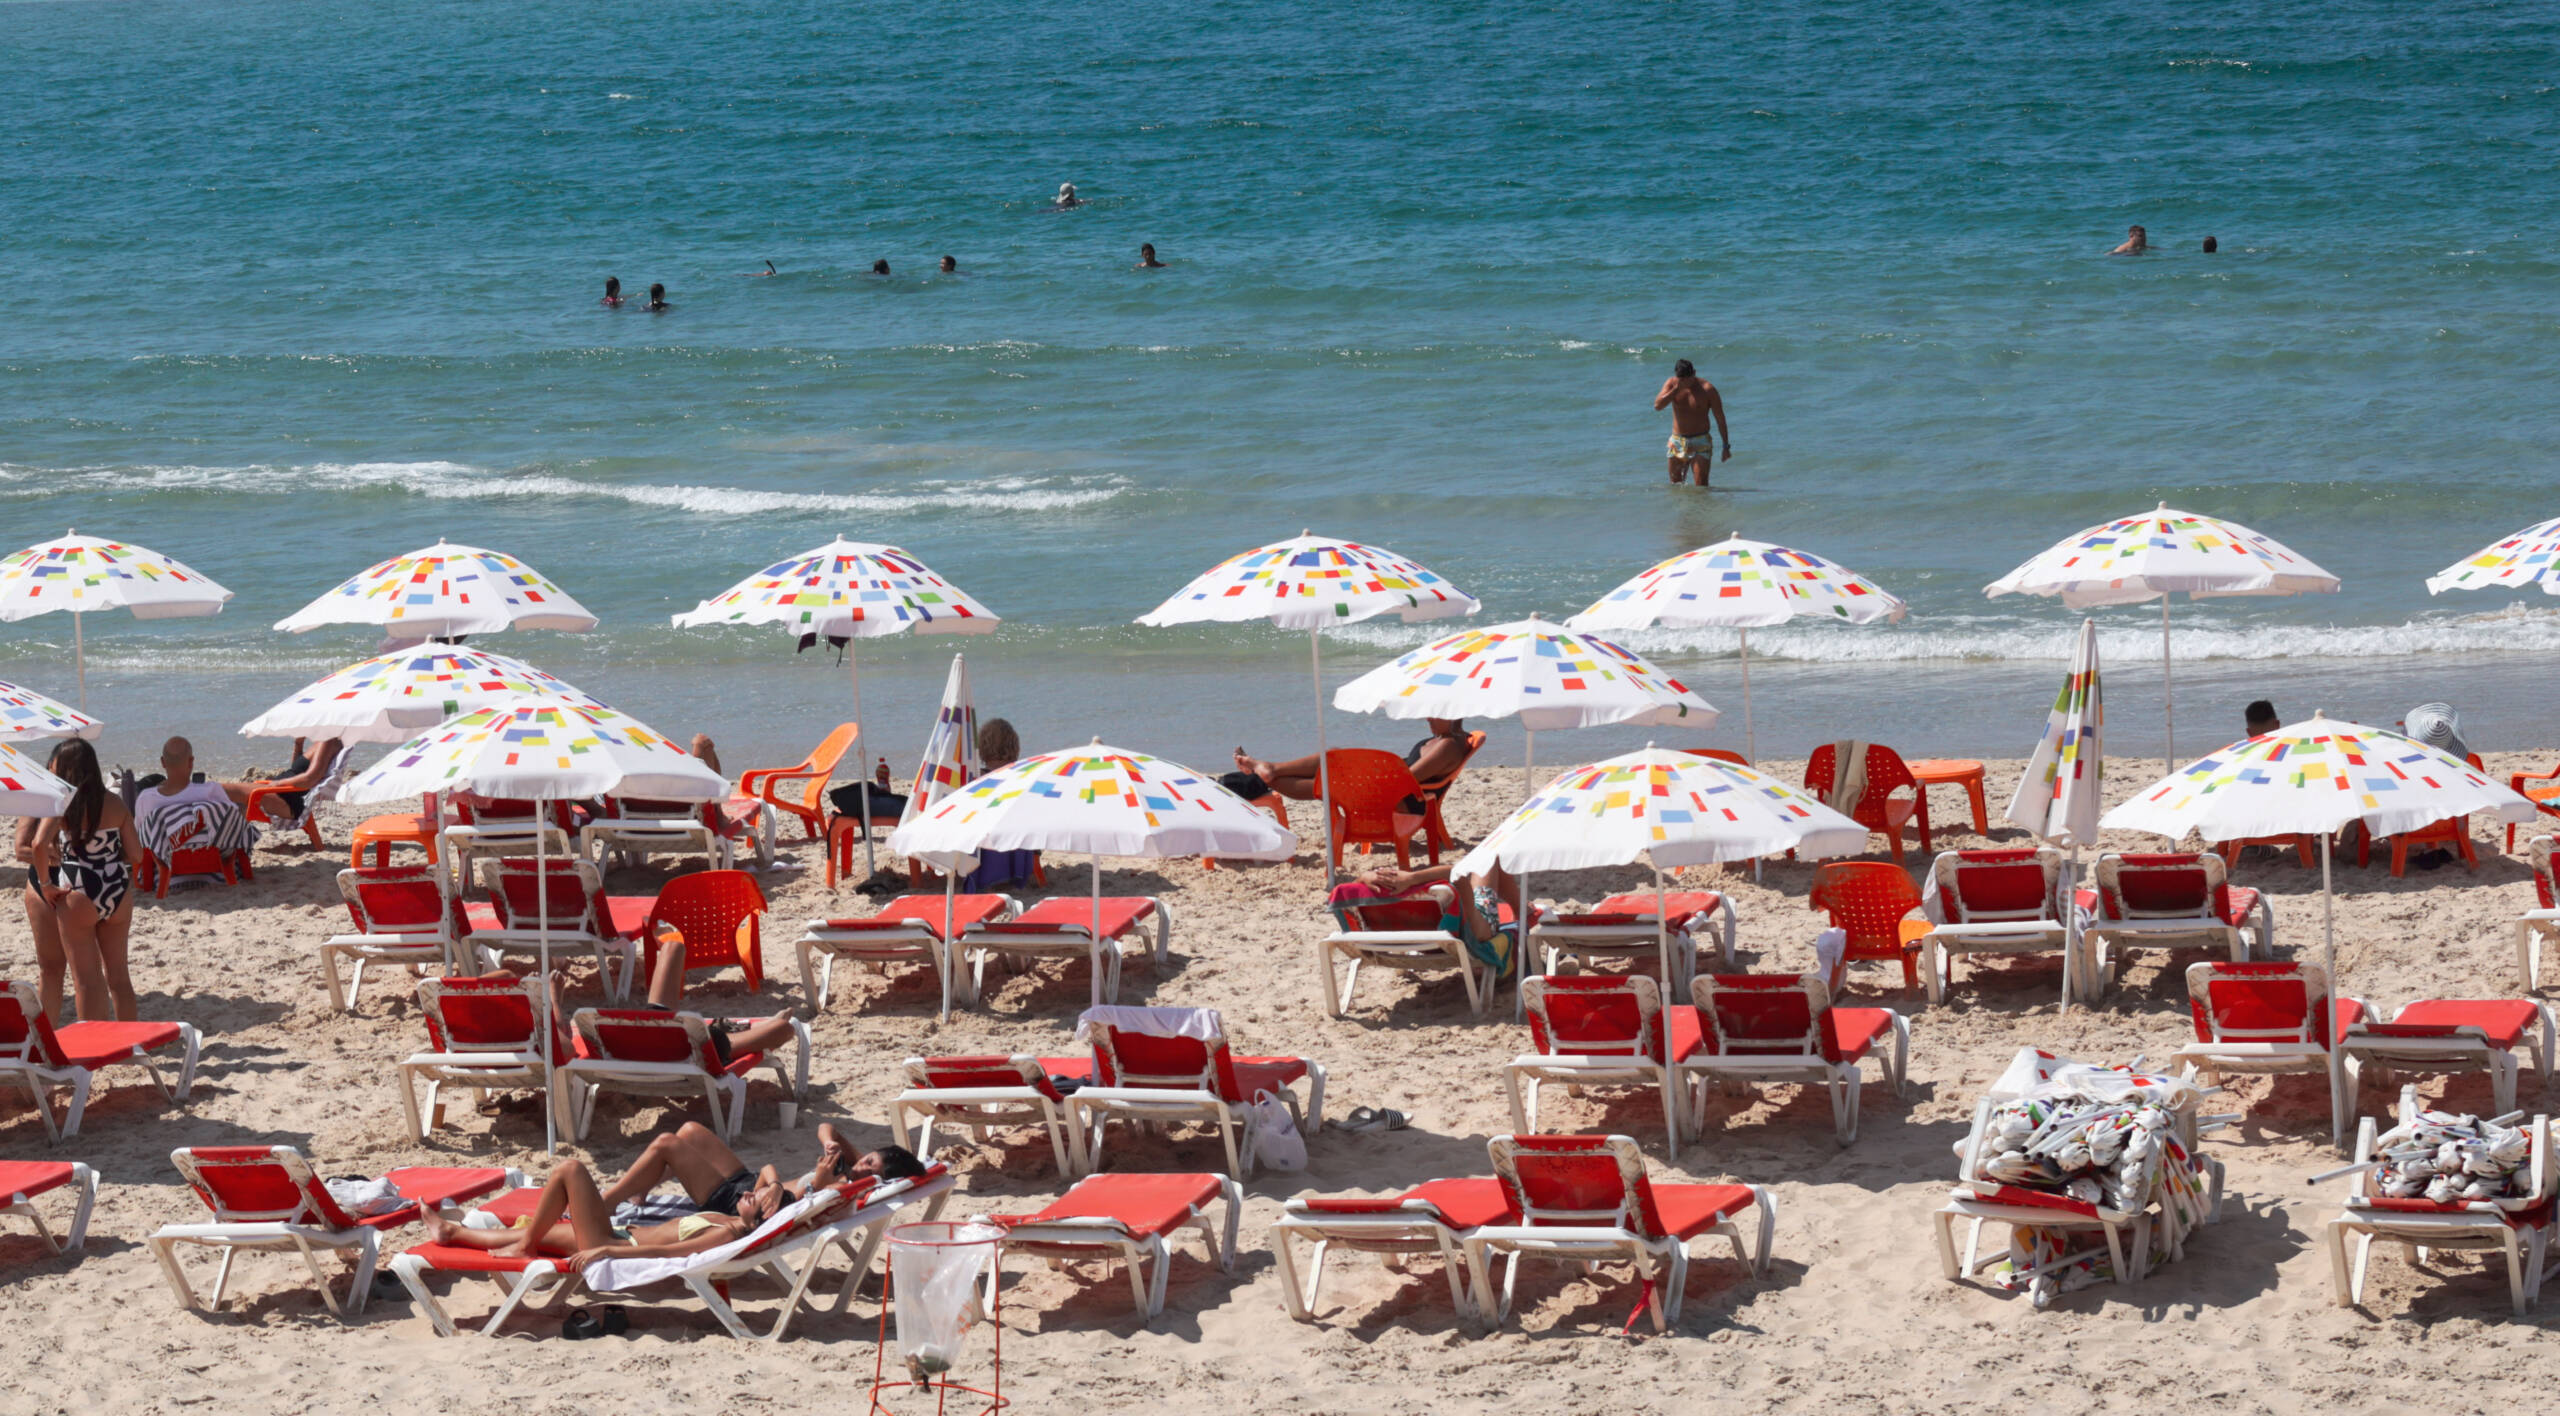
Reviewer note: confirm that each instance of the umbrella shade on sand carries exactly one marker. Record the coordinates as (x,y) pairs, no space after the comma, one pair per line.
(2155,555)
(84,574)
(1308,582)
(2312,778)
(445,591)
(1741,585)
(2529,557)
(847,591)
(395,696)
(2058,793)
(26,715)
(1096,801)
(1666,808)
(1547,676)
(543,750)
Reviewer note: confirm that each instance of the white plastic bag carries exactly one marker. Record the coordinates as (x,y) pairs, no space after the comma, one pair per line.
(1276,1142)
(936,1296)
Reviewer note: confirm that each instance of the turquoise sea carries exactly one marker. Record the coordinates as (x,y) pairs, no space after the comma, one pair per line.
(294,287)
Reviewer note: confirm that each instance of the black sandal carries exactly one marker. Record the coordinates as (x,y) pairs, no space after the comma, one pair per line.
(614,1319)
(580,1325)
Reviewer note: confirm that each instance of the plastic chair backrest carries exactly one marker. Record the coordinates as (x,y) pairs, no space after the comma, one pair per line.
(976,1073)
(653,808)
(2272,1002)
(1982,886)
(830,751)
(490,1013)
(259,1185)
(2162,885)
(647,1035)
(563,895)
(2539,852)
(1868,899)
(1594,1015)
(1576,1182)
(707,909)
(26,1033)
(1761,1014)
(1887,773)
(1128,1059)
(1367,784)
(1439,786)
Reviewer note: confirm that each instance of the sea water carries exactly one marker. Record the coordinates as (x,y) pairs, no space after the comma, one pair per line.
(293,287)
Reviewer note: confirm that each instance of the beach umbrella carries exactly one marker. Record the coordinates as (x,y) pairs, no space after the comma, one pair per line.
(26,715)
(2157,554)
(394,696)
(2058,792)
(84,574)
(847,591)
(1741,585)
(1308,582)
(544,750)
(1666,808)
(1097,801)
(951,749)
(27,789)
(2529,557)
(1541,673)
(2312,778)
(445,591)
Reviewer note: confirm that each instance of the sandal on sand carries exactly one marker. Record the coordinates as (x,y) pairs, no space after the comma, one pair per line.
(614,1319)
(1393,1120)
(581,1325)
(1362,1118)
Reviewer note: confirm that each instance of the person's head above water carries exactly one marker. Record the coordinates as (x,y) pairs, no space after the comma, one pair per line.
(2262,718)
(2211,245)
(949,265)
(657,294)
(1066,192)
(1684,370)
(613,287)
(880,267)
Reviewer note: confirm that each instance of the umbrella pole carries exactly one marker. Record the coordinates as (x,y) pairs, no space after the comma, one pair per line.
(2168,700)
(80,660)
(1750,742)
(542,938)
(2070,923)
(1529,767)
(861,751)
(1097,929)
(2329,936)
(1324,773)
(1661,932)
(950,954)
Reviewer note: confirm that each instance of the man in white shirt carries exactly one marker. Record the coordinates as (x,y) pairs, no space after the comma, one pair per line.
(177,786)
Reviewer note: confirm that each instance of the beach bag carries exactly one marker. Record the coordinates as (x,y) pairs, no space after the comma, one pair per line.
(1276,1142)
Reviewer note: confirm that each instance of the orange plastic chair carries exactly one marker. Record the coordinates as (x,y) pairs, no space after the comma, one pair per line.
(709,910)
(1435,835)
(266,804)
(2453,833)
(2304,848)
(809,801)
(1871,900)
(1369,788)
(1877,810)
(2543,797)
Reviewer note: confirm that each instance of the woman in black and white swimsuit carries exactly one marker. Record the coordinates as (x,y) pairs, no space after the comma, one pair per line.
(81,868)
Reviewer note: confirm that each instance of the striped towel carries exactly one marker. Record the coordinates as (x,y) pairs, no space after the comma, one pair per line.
(194,824)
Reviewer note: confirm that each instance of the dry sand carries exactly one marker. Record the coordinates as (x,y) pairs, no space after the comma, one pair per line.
(1854,1318)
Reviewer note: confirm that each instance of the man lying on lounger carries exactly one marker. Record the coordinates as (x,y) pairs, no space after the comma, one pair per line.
(577,1220)
(1431,759)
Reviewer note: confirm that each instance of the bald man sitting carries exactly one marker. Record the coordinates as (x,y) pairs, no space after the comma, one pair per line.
(177,786)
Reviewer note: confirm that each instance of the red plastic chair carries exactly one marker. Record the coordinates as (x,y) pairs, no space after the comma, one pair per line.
(1878,810)
(1369,788)
(809,776)
(2545,798)
(2453,834)
(1435,835)
(709,910)
(1872,901)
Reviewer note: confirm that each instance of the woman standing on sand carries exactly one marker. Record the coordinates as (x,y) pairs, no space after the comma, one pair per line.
(82,873)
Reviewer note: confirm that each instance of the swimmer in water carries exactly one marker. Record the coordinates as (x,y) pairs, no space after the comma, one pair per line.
(759,274)
(612,293)
(2211,245)
(1147,257)
(880,267)
(657,300)
(2135,243)
(950,266)
(1067,196)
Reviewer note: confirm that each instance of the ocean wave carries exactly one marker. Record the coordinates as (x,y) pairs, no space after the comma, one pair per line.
(456,481)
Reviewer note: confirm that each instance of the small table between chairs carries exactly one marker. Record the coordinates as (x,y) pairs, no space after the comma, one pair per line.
(1955,772)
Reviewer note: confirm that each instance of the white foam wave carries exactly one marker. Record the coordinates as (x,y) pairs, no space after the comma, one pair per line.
(455,481)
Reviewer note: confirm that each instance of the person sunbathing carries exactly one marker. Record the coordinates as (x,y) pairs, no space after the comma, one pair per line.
(1431,759)
(718,1182)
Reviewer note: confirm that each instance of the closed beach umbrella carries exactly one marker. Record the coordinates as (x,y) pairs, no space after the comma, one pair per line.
(1541,673)
(951,749)
(2529,557)
(26,715)
(1666,808)
(445,591)
(1308,582)
(395,696)
(84,574)
(2058,792)
(2158,554)
(27,789)
(849,591)
(1741,585)
(544,750)
(2312,778)
(1097,801)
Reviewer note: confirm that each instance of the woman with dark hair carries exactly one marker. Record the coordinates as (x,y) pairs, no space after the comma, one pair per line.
(51,963)
(83,859)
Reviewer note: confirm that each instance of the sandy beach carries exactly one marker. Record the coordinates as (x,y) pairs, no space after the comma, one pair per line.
(1854,1316)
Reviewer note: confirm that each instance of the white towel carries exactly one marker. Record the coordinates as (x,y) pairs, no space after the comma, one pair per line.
(1199,1024)
(363,1198)
(1848,776)
(1829,948)
(623,1275)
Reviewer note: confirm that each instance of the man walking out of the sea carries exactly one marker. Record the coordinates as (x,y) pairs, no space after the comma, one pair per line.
(1692,401)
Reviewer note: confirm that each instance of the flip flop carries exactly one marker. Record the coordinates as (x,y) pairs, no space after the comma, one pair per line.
(581,1325)
(1361,1119)
(1393,1120)
(613,1319)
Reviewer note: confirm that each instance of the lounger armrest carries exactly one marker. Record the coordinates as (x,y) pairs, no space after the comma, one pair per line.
(1354,938)
(383,941)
